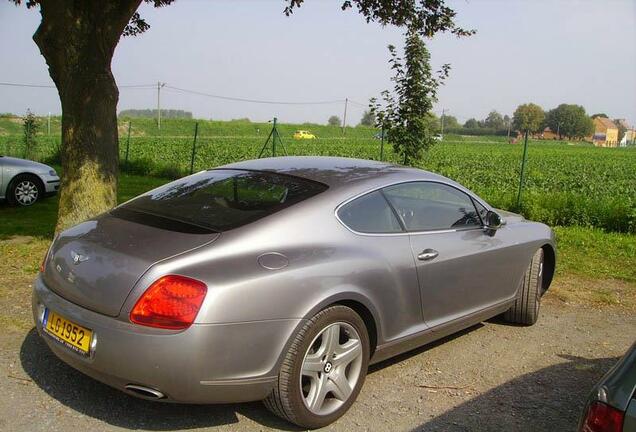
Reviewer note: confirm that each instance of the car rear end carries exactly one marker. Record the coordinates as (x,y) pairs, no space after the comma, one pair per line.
(103,307)
(611,406)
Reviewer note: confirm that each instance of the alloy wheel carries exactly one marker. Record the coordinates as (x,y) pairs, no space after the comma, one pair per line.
(26,192)
(331,368)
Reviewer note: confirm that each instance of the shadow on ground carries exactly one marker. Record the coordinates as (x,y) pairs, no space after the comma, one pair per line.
(97,400)
(550,399)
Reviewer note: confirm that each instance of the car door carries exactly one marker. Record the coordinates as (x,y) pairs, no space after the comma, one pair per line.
(461,268)
(389,277)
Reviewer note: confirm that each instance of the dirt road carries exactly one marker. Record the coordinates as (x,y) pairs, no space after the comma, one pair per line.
(492,377)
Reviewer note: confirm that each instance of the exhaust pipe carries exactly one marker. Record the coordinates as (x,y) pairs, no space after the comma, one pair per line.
(145,392)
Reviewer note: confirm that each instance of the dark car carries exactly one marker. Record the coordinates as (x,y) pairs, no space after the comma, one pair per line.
(611,406)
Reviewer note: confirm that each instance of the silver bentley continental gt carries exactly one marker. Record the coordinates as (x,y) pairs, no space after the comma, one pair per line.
(281,280)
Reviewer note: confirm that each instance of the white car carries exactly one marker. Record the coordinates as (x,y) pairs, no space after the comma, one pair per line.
(23,182)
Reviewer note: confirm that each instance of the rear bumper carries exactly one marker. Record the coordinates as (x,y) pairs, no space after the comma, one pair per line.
(215,363)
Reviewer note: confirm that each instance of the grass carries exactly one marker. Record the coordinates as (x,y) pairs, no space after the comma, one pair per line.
(595,267)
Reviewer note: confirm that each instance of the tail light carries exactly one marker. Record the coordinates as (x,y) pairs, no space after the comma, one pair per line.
(601,417)
(171,302)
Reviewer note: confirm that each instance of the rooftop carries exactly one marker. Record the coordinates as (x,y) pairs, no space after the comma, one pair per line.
(333,171)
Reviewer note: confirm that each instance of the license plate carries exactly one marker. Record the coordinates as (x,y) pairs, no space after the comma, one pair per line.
(66,332)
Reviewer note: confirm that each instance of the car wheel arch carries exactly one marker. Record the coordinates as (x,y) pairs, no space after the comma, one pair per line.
(549,266)
(354,300)
(35,177)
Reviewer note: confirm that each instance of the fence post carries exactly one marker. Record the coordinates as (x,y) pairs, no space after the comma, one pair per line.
(127,146)
(523,169)
(382,143)
(194,147)
(274,139)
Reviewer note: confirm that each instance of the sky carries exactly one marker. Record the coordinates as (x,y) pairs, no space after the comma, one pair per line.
(546,52)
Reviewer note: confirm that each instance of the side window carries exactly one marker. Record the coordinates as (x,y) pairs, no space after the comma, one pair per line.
(370,214)
(428,206)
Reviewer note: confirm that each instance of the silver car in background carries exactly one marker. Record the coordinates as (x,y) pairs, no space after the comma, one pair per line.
(281,280)
(24,182)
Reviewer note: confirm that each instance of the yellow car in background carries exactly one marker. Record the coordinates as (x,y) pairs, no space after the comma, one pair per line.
(302,134)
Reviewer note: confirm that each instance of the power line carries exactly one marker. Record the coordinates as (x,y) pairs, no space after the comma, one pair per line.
(8,84)
(210,95)
(358,103)
(259,101)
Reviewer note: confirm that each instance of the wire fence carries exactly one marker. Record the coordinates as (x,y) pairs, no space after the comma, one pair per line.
(560,186)
(173,152)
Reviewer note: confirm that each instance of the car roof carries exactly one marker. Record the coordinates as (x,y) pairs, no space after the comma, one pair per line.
(338,172)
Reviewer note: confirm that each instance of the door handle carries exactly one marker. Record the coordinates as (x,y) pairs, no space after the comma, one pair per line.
(427,255)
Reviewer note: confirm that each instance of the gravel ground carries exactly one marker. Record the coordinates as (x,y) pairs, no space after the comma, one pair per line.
(492,377)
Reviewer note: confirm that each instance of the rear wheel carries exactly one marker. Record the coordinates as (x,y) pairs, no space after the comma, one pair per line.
(24,190)
(324,369)
(525,310)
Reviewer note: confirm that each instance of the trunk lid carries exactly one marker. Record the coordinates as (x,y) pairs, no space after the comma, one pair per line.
(97,263)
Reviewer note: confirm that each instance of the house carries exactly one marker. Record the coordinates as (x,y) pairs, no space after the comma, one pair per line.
(548,134)
(629,138)
(630,134)
(605,132)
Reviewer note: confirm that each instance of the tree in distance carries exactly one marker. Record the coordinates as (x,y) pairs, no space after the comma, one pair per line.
(471,123)
(450,122)
(494,120)
(334,120)
(78,40)
(570,121)
(152,113)
(507,120)
(528,118)
(368,119)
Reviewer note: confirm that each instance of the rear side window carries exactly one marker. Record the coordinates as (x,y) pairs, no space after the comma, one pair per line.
(224,199)
(370,214)
(429,206)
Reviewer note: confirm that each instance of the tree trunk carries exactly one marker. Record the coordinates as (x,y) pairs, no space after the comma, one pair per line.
(78,40)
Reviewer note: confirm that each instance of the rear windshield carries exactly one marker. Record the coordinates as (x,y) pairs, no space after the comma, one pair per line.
(224,199)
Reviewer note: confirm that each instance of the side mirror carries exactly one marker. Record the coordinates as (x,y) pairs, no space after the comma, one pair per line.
(493,220)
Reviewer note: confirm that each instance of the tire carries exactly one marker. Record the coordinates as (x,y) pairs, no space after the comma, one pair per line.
(25,190)
(525,310)
(313,364)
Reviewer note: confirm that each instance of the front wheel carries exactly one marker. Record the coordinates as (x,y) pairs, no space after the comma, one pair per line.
(24,190)
(525,310)
(323,370)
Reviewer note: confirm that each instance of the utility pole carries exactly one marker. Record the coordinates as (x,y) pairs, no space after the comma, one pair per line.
(48,125)
(344,117)
(159,85)
(442,119)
